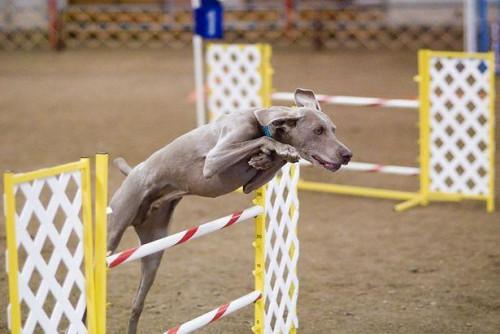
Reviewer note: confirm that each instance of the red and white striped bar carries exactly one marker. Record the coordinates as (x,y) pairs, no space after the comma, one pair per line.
(354,101)
(376,168)
(215,314)
(181,237)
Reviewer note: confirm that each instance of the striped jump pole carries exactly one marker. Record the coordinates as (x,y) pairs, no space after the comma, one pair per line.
(384,169)
(354,101)
(182,237)
(375,168)
(215,314)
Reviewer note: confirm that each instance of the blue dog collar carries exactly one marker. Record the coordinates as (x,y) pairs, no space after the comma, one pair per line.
(267,131)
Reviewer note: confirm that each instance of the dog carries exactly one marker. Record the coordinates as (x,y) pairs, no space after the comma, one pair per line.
(242,149)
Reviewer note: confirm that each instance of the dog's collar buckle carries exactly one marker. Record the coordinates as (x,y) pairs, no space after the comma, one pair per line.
(267,131)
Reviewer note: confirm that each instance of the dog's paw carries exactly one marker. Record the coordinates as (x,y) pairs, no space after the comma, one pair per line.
(261,161)
(288,153)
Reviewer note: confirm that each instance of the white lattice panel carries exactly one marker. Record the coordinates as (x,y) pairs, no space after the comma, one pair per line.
(234,80)
(49,236)
(459,125)
(281,286)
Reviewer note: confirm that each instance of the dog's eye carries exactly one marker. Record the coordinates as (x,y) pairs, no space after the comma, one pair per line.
(319,131)
(333,130)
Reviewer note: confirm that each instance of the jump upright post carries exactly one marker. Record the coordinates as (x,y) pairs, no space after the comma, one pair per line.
(57,266)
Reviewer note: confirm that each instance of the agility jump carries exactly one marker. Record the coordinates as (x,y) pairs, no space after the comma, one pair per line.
(81,263)
(456,141)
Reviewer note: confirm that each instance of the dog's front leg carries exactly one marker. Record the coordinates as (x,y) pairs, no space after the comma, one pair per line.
(229,151)
(263,176)
(262,161)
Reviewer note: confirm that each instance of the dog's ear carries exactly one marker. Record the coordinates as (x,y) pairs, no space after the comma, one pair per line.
(306,98)
(279,117)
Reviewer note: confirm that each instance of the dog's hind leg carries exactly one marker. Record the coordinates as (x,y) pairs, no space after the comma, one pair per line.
(121,217)
(155,227)
(129,204)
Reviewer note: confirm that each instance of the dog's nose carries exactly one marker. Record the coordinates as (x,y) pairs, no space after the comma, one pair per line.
(346,156)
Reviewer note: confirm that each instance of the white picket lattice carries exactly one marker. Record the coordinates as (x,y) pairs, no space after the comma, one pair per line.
(459,125)
(49,236)
(281,286)
(233,78)
(236,79)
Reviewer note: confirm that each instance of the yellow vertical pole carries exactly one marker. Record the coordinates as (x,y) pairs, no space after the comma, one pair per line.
(266,73)
(88,245)
(260,199)
(423,72)
(101,200)
(490,204)
(12,261)
(292,249)
(260,258)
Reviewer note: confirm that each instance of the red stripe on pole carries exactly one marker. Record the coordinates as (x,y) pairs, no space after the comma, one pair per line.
(376,168)
(379,103)
(122,257)
(234,218)
(329,99)
(220,312)
(188,235)
(173,330)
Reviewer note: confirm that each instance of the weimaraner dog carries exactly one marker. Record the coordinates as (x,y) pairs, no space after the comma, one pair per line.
(240,149)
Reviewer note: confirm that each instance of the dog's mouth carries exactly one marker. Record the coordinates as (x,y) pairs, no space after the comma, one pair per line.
(331,166)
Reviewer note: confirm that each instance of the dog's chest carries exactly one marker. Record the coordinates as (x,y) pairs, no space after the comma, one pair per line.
(225,182)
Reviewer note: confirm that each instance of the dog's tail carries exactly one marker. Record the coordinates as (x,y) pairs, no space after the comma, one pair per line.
(122,165)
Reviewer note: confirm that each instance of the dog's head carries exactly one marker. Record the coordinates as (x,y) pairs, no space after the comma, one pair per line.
(307,129)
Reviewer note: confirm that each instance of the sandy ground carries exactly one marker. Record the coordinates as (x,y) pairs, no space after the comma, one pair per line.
(363,267)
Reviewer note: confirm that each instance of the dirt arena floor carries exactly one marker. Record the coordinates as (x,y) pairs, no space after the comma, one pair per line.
(363,267)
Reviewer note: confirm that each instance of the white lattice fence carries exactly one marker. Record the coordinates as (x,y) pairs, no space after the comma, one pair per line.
(281,284)
(237,77)
(23,24)
(46,224)
(461,124)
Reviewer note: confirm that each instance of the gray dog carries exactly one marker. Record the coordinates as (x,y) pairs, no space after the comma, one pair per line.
(241,149)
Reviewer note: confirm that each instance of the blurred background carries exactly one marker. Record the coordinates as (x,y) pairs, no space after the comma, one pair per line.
(82,76)
(334,24)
